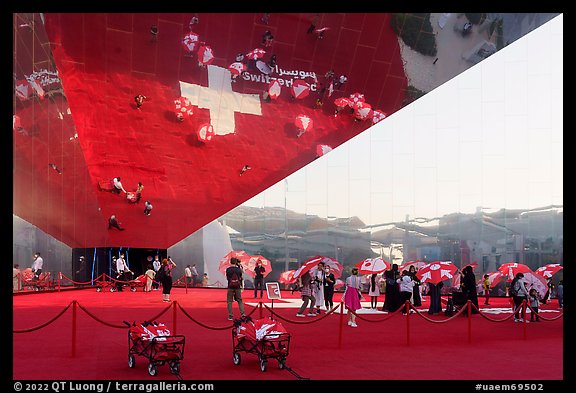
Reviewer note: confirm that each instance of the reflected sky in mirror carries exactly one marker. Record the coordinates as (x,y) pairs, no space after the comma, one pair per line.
(491,137)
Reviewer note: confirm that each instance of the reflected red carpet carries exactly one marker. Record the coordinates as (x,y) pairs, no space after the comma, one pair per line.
(378,349)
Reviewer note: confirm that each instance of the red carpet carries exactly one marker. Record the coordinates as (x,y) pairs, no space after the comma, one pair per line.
(377,350)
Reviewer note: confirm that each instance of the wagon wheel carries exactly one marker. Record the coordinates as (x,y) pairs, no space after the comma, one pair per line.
(263,364)
(236,358)
(99,289)
(174,367)
(131,361)
(152,370)
(133,289)
(281,363)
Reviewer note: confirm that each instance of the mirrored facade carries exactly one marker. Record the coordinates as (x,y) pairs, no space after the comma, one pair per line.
(403,188)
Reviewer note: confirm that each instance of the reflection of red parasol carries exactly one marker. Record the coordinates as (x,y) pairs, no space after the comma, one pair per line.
(335,266)
(377,116)
(372,266)
(183,108)
(549,270)
(205,55)
(356,98)
(435,272)
(205,132)
(274,89)
(287,277)
(362,111)
(190,41)
(237,68)
(303,122)
(342,102)
(322,149)
(299,89)
(249,263)
(256,54)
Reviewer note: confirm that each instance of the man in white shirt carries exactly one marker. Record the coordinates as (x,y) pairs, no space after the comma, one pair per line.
(118,186)
(121,269)
(188,273)
(156,266)
(406,288)
(37,266)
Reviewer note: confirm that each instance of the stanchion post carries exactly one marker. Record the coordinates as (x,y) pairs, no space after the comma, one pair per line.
(407,306)
(73,328)
(186,284)
(59,276)
(524,317)
(341,325)
(174,313)
(469,308)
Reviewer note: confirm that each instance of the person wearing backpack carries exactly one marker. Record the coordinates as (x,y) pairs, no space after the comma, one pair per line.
(519,293)
(234,292)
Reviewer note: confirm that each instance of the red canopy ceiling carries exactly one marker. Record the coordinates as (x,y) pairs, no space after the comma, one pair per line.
(105,60)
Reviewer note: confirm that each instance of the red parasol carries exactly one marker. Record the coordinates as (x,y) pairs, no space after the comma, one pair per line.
(510,269)
(549,270)
(536,281)
(249,263)
(335,266)
(418,264)
(494,278)
(237,68)
(436,272)
(372,266)
(225,261)
(287,277)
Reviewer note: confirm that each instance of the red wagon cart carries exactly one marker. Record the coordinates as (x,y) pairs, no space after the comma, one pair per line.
(264,337)
(153,341)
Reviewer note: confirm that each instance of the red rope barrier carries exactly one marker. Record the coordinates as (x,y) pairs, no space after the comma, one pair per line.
(390,315)
(99,319)
(301,322)
(200,323)
(44,324)
(63,276)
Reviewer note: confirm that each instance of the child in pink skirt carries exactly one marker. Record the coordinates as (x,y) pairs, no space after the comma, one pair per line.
(352,296)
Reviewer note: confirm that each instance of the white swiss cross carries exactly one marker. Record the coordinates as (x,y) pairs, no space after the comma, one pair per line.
(219,98)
